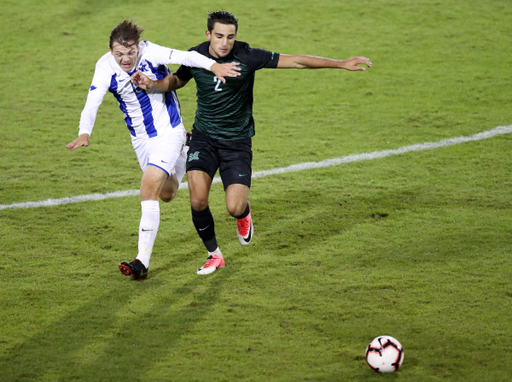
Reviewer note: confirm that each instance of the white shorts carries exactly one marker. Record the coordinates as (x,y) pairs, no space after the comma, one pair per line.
(166,152)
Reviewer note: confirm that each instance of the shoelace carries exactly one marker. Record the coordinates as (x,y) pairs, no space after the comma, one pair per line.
(209,262)
(244,225)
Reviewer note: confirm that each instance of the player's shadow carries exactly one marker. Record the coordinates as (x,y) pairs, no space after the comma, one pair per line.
(292,221)
(296,225)
(106,339)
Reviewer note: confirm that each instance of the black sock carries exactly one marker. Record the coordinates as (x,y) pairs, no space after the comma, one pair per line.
(205,227)
(246,212)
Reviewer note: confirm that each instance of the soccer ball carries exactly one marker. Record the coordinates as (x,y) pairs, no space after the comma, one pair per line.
(384,354)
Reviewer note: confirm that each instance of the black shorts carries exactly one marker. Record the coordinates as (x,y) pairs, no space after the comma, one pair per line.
(233,158)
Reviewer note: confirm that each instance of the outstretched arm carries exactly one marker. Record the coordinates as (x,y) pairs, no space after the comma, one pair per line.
(197,60)
(99,87)
(167,84)
(287,61)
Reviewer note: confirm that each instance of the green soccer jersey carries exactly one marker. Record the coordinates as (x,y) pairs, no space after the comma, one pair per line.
(224,111)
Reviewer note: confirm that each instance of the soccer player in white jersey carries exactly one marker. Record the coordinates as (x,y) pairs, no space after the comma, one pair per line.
(153,120)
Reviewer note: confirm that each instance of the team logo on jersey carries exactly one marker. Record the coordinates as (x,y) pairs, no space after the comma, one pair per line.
(92,88)
(193,156)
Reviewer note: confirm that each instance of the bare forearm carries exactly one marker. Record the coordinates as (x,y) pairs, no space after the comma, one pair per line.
(167,84)
(163,85)
(314,62)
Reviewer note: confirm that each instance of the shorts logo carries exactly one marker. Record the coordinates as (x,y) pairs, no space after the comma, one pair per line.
(193,156)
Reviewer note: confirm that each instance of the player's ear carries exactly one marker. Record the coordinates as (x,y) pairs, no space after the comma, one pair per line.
(208,34)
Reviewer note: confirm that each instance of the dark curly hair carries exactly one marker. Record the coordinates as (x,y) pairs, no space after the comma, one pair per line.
(223,17)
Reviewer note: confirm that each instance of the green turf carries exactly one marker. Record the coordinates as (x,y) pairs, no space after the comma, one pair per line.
(416,246)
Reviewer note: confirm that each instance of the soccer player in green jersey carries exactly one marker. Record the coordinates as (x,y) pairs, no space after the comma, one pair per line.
(224,125)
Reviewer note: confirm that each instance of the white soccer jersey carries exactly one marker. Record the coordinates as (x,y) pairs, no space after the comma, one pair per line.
(147,114)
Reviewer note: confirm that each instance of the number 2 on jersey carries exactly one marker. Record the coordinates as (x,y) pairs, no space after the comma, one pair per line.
(217,87)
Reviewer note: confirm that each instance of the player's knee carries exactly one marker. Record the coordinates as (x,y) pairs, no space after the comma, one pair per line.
(236,209)
(167,196)
(198,204)
(148,193)
(169,190)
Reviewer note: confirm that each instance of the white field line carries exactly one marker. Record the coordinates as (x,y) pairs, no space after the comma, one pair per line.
(296,167)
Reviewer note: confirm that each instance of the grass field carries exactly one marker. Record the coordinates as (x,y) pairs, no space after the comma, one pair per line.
(415,245)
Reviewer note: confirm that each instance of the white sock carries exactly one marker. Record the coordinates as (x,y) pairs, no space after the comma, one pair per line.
(148,228)
(216,252)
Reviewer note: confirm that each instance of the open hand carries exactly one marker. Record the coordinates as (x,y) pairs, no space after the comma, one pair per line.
(82,140)
(226,70)
(352,63)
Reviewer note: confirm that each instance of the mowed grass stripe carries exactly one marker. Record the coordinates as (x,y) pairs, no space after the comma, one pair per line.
(293,168)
